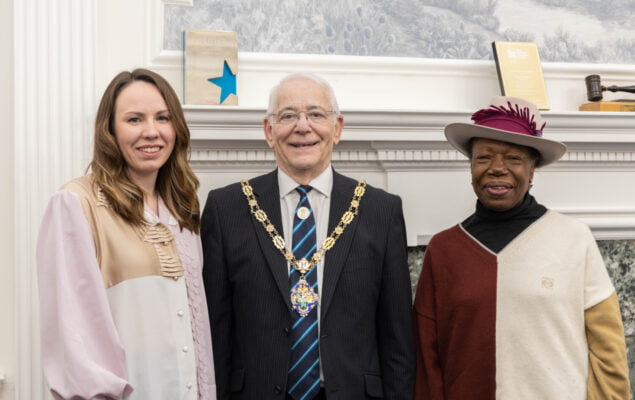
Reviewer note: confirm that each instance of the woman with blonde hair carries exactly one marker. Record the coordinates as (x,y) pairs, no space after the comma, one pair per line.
(123,308)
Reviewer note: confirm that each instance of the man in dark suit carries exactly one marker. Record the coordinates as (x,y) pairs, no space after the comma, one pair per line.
(306,270)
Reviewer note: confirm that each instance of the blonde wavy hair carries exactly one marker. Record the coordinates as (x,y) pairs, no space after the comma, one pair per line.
(176,183)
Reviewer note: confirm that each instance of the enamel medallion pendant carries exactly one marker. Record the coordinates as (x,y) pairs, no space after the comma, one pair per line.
(303,298)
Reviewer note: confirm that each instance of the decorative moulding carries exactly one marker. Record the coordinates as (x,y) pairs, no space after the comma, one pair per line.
(605,224)
(407,138)
(402,146)
(185,3)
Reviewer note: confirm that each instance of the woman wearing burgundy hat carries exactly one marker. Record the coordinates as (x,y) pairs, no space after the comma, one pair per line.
(515,301)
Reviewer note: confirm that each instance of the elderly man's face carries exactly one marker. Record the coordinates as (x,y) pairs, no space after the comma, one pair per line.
(303,148)
(501,173)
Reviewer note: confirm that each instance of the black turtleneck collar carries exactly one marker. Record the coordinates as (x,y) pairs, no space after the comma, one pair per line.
(495,229)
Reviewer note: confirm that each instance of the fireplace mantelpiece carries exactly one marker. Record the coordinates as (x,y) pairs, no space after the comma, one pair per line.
(405,152)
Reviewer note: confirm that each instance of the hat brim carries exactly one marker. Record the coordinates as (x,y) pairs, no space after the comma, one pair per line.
(459,135)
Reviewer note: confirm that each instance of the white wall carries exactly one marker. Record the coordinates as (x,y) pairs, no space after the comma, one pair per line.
(7,284)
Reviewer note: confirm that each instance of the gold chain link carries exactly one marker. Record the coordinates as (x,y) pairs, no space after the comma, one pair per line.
(278,240)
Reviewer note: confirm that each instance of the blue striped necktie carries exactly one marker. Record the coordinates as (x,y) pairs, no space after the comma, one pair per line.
(304,368)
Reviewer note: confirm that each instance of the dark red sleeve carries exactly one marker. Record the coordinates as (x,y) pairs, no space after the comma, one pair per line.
(429,381)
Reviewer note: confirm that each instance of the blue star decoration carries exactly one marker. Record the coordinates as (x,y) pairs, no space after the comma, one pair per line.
(226,83)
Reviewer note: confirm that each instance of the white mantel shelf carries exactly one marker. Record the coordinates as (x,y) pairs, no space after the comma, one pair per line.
(240,123)
(405,152)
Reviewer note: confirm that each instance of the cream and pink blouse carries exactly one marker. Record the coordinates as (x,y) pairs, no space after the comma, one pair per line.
(123,310)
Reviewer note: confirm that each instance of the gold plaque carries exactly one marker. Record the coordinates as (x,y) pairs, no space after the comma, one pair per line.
(608,106)
(520,72)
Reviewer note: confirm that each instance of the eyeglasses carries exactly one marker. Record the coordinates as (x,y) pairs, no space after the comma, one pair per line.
(315,116)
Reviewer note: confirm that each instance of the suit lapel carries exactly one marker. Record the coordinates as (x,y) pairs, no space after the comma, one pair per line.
(268,196)
(334,260)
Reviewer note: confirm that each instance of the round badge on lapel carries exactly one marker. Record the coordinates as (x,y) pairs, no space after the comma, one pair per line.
(303,212)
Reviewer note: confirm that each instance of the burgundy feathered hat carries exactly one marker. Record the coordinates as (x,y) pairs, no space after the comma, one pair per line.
(508,119)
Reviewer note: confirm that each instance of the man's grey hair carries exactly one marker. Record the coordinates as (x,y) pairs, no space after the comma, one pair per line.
(273,95)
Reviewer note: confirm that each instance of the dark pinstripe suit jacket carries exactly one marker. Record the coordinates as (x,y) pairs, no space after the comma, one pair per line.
(366,343)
